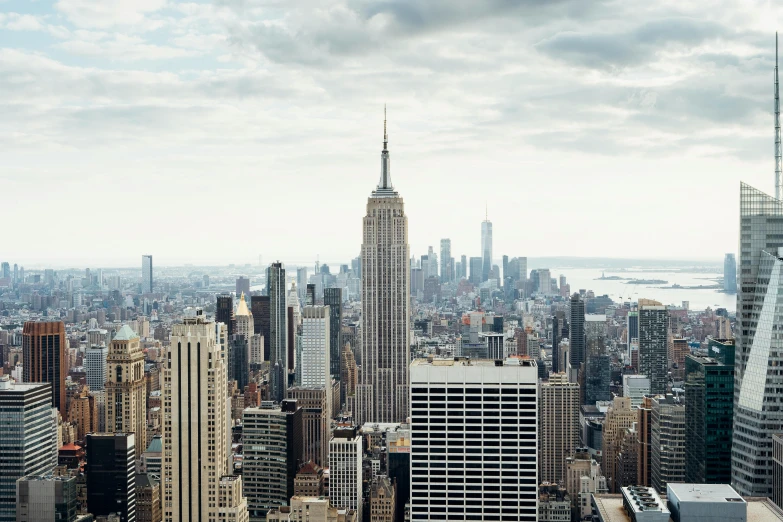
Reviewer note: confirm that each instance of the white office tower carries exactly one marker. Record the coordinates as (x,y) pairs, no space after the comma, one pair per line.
(474,439)
(196,437)
(758,380)
(315,347)
(636,387)
(345,469)
(382,394)
(95,364)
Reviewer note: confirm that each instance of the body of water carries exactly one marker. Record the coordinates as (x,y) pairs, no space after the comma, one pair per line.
(619,290)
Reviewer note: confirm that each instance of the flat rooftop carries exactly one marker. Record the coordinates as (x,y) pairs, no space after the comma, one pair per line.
(467,361)
(705,493)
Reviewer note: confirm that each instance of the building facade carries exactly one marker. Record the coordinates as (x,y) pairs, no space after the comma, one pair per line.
(653,346)
(111,475)
(44,356)
(559,422)
(333,299)
(146,274)
(46,497)
(668,442)
(345,469)
(278,327)
(126,397)
(95,364)
(316,416)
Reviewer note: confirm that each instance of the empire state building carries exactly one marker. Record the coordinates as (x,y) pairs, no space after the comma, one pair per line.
(382,394)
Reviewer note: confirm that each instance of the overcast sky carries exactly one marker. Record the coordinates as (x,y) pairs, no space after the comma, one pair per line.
(211,132)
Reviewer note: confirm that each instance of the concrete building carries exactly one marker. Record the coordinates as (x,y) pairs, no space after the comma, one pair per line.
(634,504)
(492,434)
(316,351)
(243,320)
(148,499)
(644,442)
(316,416)
(559,423)
(583,480)
(28,440)
(345,470)
(147,280)
(95,364)
(309,481)
(196,436)
(83,413)
(111,475)
(619,416)
(40,498)
(126,398)
(382,395)
(44,356)
(232,505)
(635,387)
(446,261)
(554,503)
(653,347)
(668,442)
(273,449)
(705,503)
(310,509)
(382,500)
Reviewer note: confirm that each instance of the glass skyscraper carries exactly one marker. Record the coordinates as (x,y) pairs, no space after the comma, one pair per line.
(758,381)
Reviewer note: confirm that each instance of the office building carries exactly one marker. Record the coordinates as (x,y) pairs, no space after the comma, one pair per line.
(382,395)
(597,365)
(635,387)
(576,336)
(486,248)
(278,327)
(28,440)
(619,417)
(301,283)
(758,383)
(148,498)
(777,469)
(475,271)
(559,423)
(644,442)
(583,480)
(273,449)
(238,361)
(44,356)
(316,350)
(243,286)
(315,403)
(486,413)
(668,441)
(310,509)
(40,498)
(635,503)
(309,480)
(243,320)
(333,298)
(196,441)
(224,312)
(696,502)
(95,365)
(730,274)
(446,261)
(126,397)
(232,504)
(345,469)
(259,307)
(653,346)
(146,275)
(709,406)
(111,475)
(382,500)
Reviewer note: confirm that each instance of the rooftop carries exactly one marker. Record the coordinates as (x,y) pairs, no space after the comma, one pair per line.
(467,361)
(704,493)
(126,333)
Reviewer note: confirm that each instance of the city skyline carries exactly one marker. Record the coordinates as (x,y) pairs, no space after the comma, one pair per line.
(162,93)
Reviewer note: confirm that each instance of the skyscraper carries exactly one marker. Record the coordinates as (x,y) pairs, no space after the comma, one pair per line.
(243,285)
(486,248)
(44,358)
(95,365)
(238,361)
(243,320)
(224,312)
(492,463)
(597,365)
(730,274)
(278,326)
(333,298)
(668,441)
(559,422)
(345,469)
(126,398)
(475,270)
(146,274)
(111,475)
(446,261)
(757,379)
(28,439)
(316,350)
(578,345)
(653,346)
(463,271)
(383,393)
(259,307)
(196,441)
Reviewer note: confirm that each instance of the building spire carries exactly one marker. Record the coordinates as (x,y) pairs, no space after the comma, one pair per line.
(386,136)
(385,184)
(777,126)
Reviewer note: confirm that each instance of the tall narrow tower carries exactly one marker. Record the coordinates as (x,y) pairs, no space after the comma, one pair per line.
(486,247)
(126,399)
(382,395)
(777,126)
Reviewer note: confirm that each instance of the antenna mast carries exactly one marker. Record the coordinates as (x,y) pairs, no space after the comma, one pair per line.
(777,126)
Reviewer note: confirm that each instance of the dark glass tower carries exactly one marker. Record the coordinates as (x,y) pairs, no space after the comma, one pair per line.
(259,308)
(111,475)
(278,326)
(224,312)
(333,298)
(576,351)
(238,366)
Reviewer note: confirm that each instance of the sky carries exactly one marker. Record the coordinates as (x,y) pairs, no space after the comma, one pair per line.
(215,132)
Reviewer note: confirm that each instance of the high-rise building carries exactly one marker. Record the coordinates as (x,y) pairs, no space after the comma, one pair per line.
(5,270)
(486,248)
(383,393)
(316,350)
(196,441)
(315,403)
(559,422)
(644,442)
(28,438)
(382,500)
(278,326)
(636,387)
(243,319)
(333,298)
(126,398)
(46,497)
(730,274)
(146,274)
(243,285)
(111,475)
(148,498)
(475,270)
(653,345)
(709,405)
(345,470)
(578,345)
(758,382)
(583,479)
(301,282)
(259,307)
(462,273)
(486,412)
(238,361)
(446,261)
(95,365)
(224,312)
(597,365)
(272,437)
(668,441)
(232,504)
(44,356)
(619,417)
(777,469)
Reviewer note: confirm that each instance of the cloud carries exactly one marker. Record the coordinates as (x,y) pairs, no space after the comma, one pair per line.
(20,22)
(107,13)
